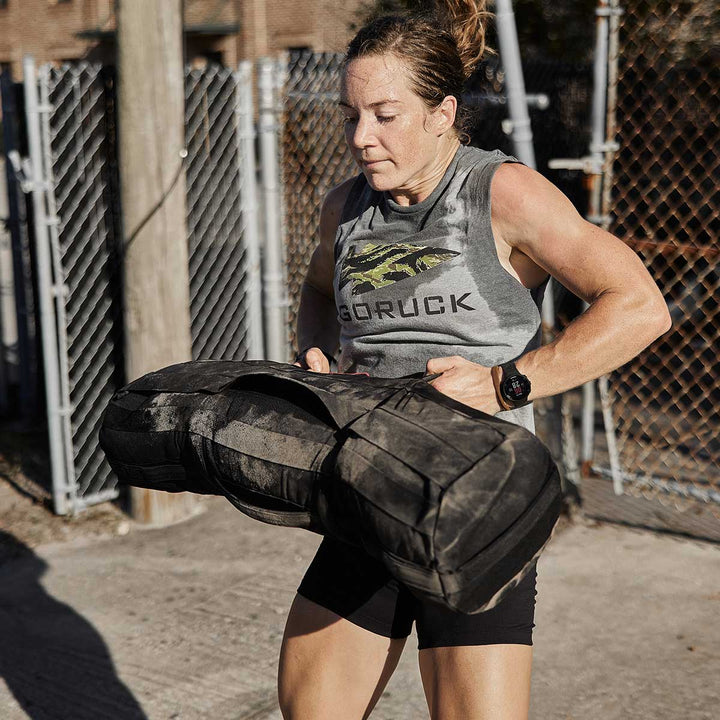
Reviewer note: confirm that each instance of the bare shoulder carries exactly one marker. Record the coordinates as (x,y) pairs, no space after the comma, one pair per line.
(526,205)
(322,263)
(536,219)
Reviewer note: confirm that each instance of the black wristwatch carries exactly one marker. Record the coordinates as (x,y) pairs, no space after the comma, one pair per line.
(511,386)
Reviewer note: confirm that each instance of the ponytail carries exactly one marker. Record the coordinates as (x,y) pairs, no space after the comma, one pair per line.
(466,20)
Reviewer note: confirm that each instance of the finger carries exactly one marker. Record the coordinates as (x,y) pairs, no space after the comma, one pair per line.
(316,361)
(439,365)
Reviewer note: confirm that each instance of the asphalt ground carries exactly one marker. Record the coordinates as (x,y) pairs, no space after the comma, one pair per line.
(185,622)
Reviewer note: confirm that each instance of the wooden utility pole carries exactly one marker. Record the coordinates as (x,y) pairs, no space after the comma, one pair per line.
(152,179)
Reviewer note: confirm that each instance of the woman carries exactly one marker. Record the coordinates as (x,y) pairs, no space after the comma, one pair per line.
(435,259)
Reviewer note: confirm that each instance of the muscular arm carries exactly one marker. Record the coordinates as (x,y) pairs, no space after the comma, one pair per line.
(627,311)
(317,324)
(531,217)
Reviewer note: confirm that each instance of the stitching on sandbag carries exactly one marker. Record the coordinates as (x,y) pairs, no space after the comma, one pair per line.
(403,463)
(357,490)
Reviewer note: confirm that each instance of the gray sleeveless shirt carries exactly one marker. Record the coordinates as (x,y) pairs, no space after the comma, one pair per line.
(423,281)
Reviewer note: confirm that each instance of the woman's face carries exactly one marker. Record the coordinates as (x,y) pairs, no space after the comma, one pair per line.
(397,142)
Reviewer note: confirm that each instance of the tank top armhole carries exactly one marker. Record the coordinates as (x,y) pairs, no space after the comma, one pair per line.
(481,191)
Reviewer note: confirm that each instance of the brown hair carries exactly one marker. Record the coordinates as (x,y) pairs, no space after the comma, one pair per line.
(440,49)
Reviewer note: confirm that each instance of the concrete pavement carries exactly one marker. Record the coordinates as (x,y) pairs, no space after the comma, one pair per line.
(185,622)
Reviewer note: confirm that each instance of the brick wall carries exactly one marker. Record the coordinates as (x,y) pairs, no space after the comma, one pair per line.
(43,28)
(48,29)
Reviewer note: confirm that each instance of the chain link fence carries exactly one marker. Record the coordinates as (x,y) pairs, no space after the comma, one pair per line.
(76,105)
(666,206)
(78,221)
(314,159)
(218,212)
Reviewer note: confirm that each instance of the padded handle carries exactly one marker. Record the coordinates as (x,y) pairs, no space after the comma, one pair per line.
(421,378)
(343,411)
(215,376)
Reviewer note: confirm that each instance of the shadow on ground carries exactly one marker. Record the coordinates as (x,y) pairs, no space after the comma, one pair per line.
(53,661)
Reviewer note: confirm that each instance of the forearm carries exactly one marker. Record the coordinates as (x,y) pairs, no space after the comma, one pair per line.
(317,324)
(612,331)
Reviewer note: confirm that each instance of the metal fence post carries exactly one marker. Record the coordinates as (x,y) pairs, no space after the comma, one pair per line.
(592,165)
(8,322)
(518,109)
(616,470)
(514,83)
(246,142)
(60,291)
(47,287)
(613,51)
(274,285)
(597,149)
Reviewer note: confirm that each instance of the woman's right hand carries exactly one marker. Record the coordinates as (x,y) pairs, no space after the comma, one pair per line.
(314,359)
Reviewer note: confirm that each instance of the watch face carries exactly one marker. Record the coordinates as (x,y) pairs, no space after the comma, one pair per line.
(516,388)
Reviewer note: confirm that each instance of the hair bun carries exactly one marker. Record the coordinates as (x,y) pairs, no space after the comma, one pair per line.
(466,20)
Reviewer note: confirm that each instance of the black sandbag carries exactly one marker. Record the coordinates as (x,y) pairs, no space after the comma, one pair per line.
(456,503)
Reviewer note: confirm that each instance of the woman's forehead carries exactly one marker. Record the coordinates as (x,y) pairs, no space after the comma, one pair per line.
(375,79)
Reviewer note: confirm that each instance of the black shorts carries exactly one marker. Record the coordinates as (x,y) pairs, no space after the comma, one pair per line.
(350,583)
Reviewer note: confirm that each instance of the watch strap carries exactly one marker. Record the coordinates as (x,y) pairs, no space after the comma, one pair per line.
(496,373)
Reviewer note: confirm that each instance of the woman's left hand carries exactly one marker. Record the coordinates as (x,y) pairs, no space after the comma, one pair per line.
(465,381)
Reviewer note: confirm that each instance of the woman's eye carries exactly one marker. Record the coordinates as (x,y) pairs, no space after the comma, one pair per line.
(384,118)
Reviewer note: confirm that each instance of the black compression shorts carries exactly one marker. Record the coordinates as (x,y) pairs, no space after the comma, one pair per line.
(350,583)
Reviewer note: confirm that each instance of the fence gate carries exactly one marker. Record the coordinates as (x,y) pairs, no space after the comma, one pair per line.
(666,206)
(72,136)
(67,118)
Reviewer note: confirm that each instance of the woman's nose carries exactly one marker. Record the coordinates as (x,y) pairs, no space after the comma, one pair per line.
(361,135)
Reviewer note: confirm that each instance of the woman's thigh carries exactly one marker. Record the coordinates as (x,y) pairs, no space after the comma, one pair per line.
(480,682)
(330,667)
(478,666)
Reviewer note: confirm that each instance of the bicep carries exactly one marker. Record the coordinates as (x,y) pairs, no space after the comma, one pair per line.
(535,217)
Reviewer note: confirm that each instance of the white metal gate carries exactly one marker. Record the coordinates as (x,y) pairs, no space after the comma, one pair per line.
(71,128)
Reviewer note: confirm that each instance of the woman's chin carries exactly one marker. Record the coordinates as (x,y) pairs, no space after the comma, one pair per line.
(378,181)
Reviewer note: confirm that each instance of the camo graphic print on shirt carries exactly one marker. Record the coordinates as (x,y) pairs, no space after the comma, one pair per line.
(425,281)
(380,265)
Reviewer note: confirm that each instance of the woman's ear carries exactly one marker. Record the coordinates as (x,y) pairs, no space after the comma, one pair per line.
(445,114)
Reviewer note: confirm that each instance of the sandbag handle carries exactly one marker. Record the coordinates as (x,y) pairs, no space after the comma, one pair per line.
(341,413)
(420,379)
